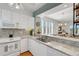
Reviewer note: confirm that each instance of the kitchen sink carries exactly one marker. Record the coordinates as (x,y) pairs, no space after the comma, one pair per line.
(44,39)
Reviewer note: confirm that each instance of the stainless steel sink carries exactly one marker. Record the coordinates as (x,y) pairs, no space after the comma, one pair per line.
(44,39)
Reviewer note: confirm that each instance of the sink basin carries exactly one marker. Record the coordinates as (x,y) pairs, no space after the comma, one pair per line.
(44,40)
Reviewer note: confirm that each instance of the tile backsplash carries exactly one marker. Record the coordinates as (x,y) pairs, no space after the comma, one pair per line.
(16,33)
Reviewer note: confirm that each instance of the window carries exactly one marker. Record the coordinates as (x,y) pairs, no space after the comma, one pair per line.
(47,27)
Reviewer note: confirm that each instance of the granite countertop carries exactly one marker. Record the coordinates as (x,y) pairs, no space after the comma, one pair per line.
(71,50)
(68,49)
(63,37)
(7,40)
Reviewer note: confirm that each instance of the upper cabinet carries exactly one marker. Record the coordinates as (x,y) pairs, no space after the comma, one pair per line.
(76,20)
(6,19)
(11,20)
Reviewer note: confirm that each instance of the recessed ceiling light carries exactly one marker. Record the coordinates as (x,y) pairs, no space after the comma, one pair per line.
(11,3)
(65,24)
(65,5)
(17,6)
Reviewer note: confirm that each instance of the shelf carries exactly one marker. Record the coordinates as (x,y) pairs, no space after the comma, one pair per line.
(11,28)
(77,15)
(76,21)
(76,7)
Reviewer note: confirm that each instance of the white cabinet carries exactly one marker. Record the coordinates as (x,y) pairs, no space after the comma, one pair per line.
(32,46)
(6,15)
(9,48)
(42,50)
(1,50)
(36,48)
(14,54)
(24,45)
(6,18)
(54,52)
(39,49)
(10,19)
(16,19)
(19,20)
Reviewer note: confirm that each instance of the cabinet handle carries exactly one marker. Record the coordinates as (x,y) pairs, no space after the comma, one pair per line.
(16,46)
(6,48)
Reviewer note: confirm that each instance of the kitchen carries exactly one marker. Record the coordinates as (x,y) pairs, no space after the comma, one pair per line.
(41,29)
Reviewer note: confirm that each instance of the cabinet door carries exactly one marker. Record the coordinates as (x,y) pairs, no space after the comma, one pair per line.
(42,50)
(6,16)
(15,18)
(32,46)
(17,46)
(23,45)
(53,52)
(37,48)
(2,50)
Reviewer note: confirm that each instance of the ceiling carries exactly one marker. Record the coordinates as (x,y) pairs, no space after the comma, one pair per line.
(63,12)
(26,7)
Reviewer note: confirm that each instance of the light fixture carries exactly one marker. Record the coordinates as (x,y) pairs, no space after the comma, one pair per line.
(60,24)
(65,5)
(11,4)
(65,24)
(16,5)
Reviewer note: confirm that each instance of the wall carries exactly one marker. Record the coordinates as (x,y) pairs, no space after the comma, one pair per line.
(26,21)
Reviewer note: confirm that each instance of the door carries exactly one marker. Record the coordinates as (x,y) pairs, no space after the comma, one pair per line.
(3,49)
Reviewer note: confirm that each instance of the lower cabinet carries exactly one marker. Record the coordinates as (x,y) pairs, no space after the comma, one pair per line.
(14,54)
(24,45)
(9,48)
(36,48)
(33,47)
(42,50)
(54,52)
(39,49)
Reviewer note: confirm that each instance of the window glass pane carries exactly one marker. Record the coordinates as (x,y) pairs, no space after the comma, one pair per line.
(47,27)
(51,28)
